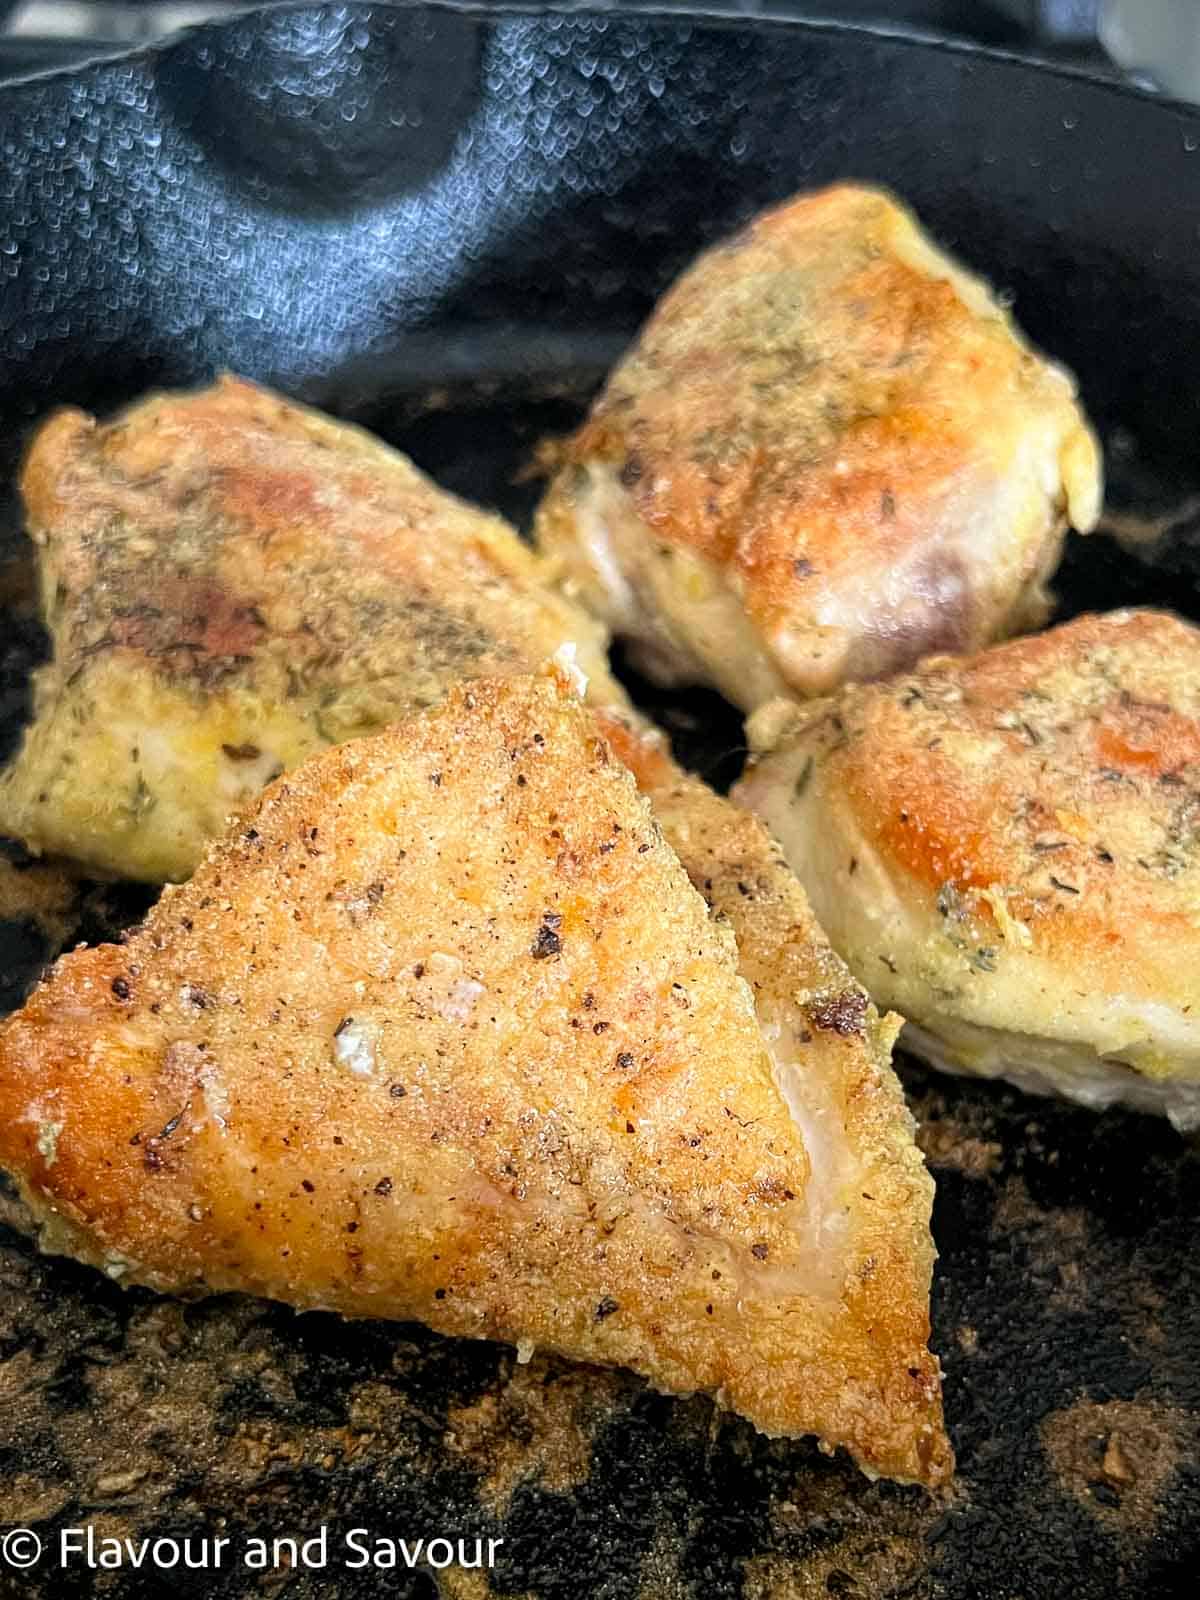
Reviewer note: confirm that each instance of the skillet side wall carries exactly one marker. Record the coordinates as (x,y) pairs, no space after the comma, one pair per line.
(302,188)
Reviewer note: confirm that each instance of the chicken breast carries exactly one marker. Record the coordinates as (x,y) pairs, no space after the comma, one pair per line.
(443,1031)
(829,452)
(1004,848)
(232,582)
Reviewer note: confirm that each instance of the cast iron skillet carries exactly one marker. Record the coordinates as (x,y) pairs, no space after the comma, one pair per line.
(446,223)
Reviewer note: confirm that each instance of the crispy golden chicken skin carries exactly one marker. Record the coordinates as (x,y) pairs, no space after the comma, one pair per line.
(829,452)
(232,582)
(443,1031)
(1005,848)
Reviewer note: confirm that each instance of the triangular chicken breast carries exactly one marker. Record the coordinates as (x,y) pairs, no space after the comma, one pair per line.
(232,582)
(443,1031)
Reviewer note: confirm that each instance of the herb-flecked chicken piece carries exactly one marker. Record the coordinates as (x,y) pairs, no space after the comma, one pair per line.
(1006,848)
(232,582)
(442,1030)
(829,452)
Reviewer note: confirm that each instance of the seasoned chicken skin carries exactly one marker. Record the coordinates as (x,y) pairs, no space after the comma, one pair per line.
(829,452)
(443,1031)
(232,582)
(1005,848)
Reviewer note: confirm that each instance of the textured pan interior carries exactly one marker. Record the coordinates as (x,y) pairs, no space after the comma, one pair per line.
(456,263)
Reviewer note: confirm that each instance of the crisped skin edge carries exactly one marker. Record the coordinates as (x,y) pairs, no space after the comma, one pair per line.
(782,946)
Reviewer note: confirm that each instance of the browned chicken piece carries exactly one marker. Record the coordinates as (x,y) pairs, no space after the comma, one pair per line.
(1005,848)
(232,582)
(829,452)
(441,1030)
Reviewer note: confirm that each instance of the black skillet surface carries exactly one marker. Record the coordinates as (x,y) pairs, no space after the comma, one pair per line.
(446,225)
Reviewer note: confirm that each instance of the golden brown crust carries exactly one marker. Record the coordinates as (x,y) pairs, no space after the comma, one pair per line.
(1010,842)
(1064,767)
(849,433)
(232,582)
(443,1031)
